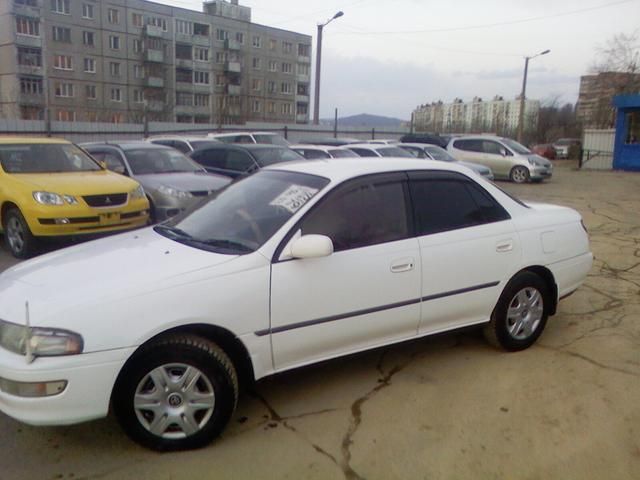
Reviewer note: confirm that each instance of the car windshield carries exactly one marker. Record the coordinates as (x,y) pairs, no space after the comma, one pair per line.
(269,156)
(244,215)
(45,158)
(272,139)
(515,146)
(440,154)
(394,152)
(159,160)
(342,153)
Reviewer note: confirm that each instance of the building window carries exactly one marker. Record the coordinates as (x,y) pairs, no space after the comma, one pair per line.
(113,15)
(221,35)
(302,109)
(87,11)
(287,109)
(287,67)
(220,81)
(201,54)
(138,96)
(271,86)
(240,38)
(116,95)
(90,92)
(256,106)
(138,71)
(114,42)
(256,42)
(287,47)
(184,99)
(60,6)
(117,118)
(285,88)
(256,63)
(272,44)
(158,22)
(201,100)
(201,29)
(184,27)
(114,69)
(92,116)
(31,86)
(183,52)
(89,38)
(271,107)
(137,19)
(31,113)
(221,57)
(202,119)
(201,78)
(29,3)
(27,26)
(31,57)
(303,69)
(256,84)
(62,34)
(137,45)
(63,62)
(64,89)
(184,75)
(66,116)
(304,50)
(273,66)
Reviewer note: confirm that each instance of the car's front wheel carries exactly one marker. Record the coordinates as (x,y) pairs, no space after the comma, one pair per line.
(521,313)
(17,235)
(176,393)
(519,174)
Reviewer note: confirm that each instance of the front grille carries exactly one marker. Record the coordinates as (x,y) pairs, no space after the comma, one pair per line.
(200,193)
(126,216)
(109,200)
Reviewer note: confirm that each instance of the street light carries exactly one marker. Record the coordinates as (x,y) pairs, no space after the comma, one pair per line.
(316,99)
(524,88)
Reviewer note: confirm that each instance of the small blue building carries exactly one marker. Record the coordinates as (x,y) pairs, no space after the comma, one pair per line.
(626,150)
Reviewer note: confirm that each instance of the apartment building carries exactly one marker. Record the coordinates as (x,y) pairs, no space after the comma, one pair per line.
(497,115)
(130,60)
(595,100)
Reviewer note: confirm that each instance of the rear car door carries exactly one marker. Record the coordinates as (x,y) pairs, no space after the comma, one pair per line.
(364,294)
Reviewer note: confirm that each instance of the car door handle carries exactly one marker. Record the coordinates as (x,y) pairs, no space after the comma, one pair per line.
(505,246)
(404,265)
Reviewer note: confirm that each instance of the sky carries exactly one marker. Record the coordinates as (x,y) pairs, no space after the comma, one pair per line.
(387,57)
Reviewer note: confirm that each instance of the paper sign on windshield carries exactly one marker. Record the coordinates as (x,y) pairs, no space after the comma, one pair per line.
(293,198)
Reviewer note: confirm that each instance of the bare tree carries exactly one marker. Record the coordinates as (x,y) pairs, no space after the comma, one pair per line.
(621,53)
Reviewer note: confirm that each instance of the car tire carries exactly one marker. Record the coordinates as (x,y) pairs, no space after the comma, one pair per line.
(176,393)
(17,235)
(519,174)
(520,314)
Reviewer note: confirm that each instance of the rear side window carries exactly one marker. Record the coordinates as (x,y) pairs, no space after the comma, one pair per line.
(214,158)
(444,202)
(342,153)
(313,154)
(364,152)
(365,213)
(468,145)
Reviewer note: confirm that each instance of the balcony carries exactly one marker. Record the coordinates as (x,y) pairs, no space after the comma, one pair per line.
(302,98)
(155,106)
(30,99)
(234,90)
(27,10)
(29,70)
(151,55)
(232,67)
(153,31)
(230,44)
(184,63)
(303,78)
(155,82)
(28,40)
(201,40)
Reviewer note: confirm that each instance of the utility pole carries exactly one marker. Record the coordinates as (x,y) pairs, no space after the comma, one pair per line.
(316,99)
(522,94)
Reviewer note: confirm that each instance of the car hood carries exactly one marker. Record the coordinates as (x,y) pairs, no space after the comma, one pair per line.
(185,181)
(96,272)
(77,183)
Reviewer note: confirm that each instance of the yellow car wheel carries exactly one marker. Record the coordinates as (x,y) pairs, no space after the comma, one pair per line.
(17,235)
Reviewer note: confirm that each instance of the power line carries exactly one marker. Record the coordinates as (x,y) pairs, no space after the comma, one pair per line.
(490,25)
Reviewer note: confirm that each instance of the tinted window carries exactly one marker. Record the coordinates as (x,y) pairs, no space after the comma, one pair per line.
(201,143)
(493,148)
(515,146)
(213,158)
(468,145)
(239,161)
(444,202)
(367,213)
(438,153)
(394,152)
(181,146)
(269,156)
(313,154)
(415,151)
(342,153)
(364,152)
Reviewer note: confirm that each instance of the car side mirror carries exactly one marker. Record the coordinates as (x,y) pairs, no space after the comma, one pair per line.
(312,246)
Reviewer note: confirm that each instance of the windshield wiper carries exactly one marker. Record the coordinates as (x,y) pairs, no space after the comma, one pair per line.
(173,231)
(226,243)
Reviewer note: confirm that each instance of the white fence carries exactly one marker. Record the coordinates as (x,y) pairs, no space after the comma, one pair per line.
(89,132)
(597,146)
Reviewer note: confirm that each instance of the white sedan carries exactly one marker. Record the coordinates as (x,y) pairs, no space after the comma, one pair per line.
(298,263)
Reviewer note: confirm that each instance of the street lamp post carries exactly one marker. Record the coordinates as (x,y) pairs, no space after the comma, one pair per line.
(316,99)
(522,94)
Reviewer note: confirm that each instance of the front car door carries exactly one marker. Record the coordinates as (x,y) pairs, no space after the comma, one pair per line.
(498,157)
(364,294)
(468,246)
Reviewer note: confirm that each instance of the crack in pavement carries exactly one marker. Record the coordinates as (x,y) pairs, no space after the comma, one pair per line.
(590,360)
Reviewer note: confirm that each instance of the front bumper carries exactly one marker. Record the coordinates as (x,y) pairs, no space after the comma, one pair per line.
(540,173)
(90,378)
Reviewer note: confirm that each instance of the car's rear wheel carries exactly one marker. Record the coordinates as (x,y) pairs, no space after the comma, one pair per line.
(519,174)
(521,313)
(17,235)
(176,393)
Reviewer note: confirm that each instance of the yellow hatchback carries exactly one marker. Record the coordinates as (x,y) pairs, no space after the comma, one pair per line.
(50,187)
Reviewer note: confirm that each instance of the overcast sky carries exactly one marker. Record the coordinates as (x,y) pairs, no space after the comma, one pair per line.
(388,56)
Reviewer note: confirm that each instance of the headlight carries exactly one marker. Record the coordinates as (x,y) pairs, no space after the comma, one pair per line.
(43,342)
(50,198)
(531,161)
(173,192)
(138,192)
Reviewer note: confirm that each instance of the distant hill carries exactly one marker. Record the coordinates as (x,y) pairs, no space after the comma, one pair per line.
(366,120)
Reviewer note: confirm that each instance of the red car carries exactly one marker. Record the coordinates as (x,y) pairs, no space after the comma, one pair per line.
(545,149)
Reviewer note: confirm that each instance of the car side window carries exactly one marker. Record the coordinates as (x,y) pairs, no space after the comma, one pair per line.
(493,148)
(444,202)
(243,139)
(313,154)
(239,161)
(111,160)
(214,158)
(166,143)
(364,152)
(181,146)
(366,212)
(416,152)
(468,145)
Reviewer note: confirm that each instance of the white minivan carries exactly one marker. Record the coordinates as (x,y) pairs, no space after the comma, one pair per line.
(505,157)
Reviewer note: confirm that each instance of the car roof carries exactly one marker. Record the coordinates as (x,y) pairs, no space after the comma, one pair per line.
(372,146)
(187,138)
(245,146)
(418,145)
(339,169)
(11,140)
(127,145)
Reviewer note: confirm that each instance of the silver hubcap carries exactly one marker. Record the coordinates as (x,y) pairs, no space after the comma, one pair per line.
(525,312)
(174,401)
(15,234)
(519,175)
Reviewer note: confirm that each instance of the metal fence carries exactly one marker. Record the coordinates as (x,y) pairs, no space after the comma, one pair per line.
(90,132)
(597,149)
